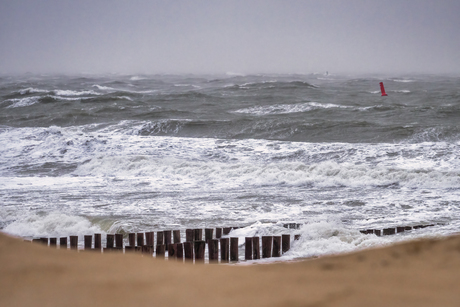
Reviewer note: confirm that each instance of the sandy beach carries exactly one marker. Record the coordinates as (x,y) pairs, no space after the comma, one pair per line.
(418,273)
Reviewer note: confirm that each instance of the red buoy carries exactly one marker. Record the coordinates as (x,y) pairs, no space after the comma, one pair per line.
(382,89)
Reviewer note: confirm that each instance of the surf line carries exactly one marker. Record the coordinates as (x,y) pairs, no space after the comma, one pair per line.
(382,89)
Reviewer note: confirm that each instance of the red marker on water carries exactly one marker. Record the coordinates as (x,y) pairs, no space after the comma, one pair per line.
(382,89)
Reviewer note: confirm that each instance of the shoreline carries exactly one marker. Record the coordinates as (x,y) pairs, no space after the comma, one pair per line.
(415,273)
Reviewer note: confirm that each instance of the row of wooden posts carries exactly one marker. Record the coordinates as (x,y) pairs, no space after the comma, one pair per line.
(393,230)
(192,249)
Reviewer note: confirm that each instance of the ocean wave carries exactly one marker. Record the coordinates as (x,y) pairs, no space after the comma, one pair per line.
(324,174)
(54,224)
(74,93)
(289,108)
(103,88)
(22,102)
(32,90)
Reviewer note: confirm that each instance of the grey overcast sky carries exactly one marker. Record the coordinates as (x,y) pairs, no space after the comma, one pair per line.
(147,36)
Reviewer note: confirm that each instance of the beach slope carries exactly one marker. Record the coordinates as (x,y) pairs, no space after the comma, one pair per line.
(418,273)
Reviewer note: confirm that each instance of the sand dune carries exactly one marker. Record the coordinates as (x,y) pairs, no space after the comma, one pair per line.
(419,273)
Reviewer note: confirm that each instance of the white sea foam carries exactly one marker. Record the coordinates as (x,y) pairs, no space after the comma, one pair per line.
(23,102)
(32,90)
(403,80)
(74,93)
(289,108)
(103,88)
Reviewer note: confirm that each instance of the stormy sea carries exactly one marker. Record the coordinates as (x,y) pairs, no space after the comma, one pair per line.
(84,154)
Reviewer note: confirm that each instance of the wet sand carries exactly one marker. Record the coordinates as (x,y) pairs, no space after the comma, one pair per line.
(418,273)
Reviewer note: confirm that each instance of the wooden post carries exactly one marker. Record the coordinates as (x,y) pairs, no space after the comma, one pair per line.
(408,228)
(208,234)
(88,242)
(276,246)
(180,252)
(267,246)
(378,232)
(63,242)
(213,250)
(389,231)
(233,249)
(147,249)
(188,251)
(297,237)
(176,236)
(248,248)
(172,248)
(131,239)
(140,239)
(199,251)
(119,241)
(160,251)
(44,240)
(224,250)
(218,233)
(160,238)
(53,241)
(400,229)
(149,238)
(255,248)
(110,240)
(189,235)
(74,242)
(97,241)
(286,243)
(292,225)
(226,230)
(167,235)
(198,235)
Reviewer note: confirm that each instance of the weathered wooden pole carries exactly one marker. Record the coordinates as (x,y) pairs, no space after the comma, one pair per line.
(234,249)
(198,235)
(255,248)
(218,233)
(408,228)
(167,235)
(286,243)
(208,232)
(73,242)
(147,249)
(189,235)
(172,249)
(213,250)
(199,251)
(88,242)
(160,238)
(119,241)
(378,232)
(297,237)
(110,241)
(188,251)
(176,236)
(97,241)
(140,239)
(160,253)
(248,248)
(53,241)
(267,246)
(44,241)
(276,246)
(389,231)
(226,230)
(63,242)
(149,238)
(224,250)
(180,252)
(131,239)
(400,229)
(292,225)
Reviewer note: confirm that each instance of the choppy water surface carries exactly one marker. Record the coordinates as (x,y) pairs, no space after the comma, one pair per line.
(85,154)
